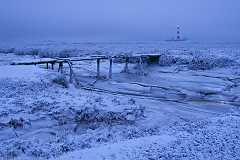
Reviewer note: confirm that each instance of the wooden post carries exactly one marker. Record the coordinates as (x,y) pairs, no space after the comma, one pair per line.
(71,71)
(71,75)
(98,68)
(47,65)
(110,68)
(140,66)
(60,67)
(126,65)
(52,66)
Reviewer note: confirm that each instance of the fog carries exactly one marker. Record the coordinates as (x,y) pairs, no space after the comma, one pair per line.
(122,20)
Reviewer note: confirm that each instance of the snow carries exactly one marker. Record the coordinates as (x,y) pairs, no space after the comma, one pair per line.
(119,150)
(214,138)
(30,73)
(173,112)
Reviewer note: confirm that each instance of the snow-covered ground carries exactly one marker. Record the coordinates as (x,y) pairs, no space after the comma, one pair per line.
(185,107)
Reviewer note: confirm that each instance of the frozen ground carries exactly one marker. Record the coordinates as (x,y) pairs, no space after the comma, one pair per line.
(186,107)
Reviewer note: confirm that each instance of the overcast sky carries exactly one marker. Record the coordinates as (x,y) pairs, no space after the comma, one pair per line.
(140,20)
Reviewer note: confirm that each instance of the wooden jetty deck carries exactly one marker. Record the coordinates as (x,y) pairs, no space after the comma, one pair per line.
(138,58)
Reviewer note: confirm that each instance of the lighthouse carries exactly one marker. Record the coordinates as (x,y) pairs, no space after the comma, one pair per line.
(178,33)
(178,36)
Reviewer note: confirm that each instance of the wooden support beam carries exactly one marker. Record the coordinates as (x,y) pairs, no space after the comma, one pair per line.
(34,62)
(52,66)
(70,71)
(110,68)
(98,68)
(126,65)
(47,65)
(60,67)
(71,74)
(140,67)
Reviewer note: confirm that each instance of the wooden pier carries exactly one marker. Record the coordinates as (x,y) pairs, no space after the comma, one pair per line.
(138,59)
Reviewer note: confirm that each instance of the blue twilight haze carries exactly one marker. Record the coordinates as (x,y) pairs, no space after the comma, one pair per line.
(128,20)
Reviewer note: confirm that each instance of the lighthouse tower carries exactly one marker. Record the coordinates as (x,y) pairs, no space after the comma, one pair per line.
(178,37)
(178,33)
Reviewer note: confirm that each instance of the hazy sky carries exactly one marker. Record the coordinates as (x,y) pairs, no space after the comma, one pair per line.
(119,19)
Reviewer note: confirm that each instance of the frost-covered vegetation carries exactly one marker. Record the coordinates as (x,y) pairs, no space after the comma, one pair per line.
(61,80)
(197,62)
(216,138)
(185,107)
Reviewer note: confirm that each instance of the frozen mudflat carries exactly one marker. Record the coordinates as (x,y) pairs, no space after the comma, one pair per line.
(185,106)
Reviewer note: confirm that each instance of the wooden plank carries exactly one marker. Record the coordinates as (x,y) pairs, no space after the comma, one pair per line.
(86,59)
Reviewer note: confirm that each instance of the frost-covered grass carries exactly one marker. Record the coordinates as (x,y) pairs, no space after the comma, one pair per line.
(186,114)
(197,62)
(210,62)
(93,115)
(216,138)
(213,138)
(41,120)
(61,80)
